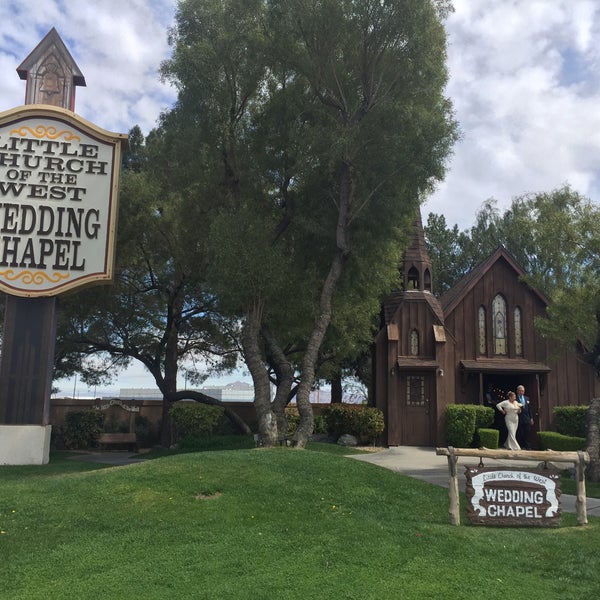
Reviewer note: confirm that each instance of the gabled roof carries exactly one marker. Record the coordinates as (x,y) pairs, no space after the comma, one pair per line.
(51,39)
(397,299)
(453,296)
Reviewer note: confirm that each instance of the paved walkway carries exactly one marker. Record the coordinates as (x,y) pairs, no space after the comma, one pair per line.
(425,464)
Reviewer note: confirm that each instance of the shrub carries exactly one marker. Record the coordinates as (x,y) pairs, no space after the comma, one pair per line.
(82,429)
(146,434)
(293,418)
(194,419)
(463,421)
(320,424)
(488,438)
(549,440)
(363,422)
(571,420)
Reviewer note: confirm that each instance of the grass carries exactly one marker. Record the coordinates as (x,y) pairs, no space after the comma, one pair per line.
(265,524)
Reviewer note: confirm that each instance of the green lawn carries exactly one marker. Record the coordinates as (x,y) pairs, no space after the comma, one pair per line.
(268,524)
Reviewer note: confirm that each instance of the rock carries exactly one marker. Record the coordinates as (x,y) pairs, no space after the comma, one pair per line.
(347,440)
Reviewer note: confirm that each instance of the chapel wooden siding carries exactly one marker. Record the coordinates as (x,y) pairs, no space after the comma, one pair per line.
(462,350)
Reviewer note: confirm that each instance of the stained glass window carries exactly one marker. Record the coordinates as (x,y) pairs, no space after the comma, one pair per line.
(499,312)
(414,342)
(415,390)
(482,332)
(518,332)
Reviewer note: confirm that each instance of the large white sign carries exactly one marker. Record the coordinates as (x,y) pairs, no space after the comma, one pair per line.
(58,201)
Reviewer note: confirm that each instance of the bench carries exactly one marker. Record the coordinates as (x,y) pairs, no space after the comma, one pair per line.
(118,439)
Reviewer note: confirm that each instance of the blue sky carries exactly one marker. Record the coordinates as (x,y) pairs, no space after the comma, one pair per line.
(524,80)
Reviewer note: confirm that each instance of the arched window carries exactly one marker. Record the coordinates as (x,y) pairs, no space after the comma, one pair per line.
(482,331)
(413,279)
(414,342)
(427,280)
(499,313)
(518,324)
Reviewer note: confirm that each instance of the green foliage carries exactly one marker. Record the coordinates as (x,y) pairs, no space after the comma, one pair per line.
(488,438)
(293,418)
(571,420)
(460,426)
(560,255)
(195,419)
(463,421)
(550,440)
(82,429)
(363,422)
(146,435)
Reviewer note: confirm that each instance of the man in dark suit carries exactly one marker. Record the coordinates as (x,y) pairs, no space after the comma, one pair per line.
(525,419)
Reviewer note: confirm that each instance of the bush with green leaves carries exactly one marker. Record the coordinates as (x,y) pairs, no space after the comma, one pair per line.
(571,420)
(293,418)
(364,422)
(82,429)
(192,419)
(550,440)
(488,438)
(463,421)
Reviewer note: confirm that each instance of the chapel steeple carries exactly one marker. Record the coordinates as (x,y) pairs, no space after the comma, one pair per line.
(416,266)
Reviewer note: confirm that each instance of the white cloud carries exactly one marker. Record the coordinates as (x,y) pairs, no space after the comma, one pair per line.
(525,85)
(524,79)
(117,44)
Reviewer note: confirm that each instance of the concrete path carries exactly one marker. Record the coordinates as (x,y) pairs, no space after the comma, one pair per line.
(424,463)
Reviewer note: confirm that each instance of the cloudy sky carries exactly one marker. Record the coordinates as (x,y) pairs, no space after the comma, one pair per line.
(524,80)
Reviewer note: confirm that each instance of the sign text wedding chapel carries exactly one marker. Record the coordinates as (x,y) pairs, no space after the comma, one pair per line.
(58,190)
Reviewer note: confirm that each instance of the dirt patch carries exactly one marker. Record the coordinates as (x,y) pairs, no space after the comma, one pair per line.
(205,496)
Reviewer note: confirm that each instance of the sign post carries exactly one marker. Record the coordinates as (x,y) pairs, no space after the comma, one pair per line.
(58,208)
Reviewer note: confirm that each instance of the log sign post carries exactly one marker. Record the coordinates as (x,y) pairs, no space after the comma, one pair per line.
(58,208)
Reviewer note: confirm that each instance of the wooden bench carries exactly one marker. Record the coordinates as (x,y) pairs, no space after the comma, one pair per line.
(118,439)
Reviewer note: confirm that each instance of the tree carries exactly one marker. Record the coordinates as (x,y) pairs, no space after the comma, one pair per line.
(158,310)
(449,251)
(555,237)
(323,123)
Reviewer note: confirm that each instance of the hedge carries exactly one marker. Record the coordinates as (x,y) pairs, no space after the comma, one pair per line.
(463,421)
(364,422)
(571,420)
(195,419)
(81,430)
(549,440)
(488,438)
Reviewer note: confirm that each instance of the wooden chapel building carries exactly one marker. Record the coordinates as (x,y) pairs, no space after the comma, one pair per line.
(434,351)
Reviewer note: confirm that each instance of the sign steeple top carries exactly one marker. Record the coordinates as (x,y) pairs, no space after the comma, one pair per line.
(51,73)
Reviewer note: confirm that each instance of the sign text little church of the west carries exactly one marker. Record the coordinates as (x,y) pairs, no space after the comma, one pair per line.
(58,212)
(58,180)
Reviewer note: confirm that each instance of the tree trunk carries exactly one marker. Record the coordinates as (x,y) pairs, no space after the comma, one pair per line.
(593,440)
(171,360)
(309,360)
(336,389)
(285,379)
(267,423)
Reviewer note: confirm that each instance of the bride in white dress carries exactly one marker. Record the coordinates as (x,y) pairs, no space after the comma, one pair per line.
(510,408)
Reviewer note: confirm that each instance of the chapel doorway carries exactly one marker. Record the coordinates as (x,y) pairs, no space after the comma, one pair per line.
(417,393)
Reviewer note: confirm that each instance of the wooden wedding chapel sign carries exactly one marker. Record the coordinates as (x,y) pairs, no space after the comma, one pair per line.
(58,190)
(512,496)
(58,209)
(505,495)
